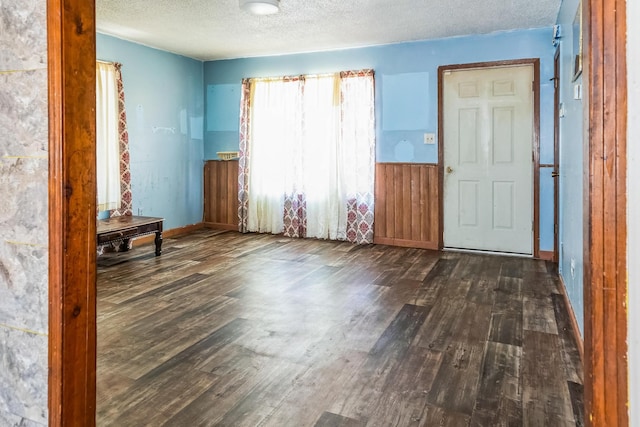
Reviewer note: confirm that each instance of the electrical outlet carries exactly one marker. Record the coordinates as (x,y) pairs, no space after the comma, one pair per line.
(429,138)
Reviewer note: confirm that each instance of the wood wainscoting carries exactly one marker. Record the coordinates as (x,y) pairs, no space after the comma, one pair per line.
(407,205)
(221,194)
(406,194)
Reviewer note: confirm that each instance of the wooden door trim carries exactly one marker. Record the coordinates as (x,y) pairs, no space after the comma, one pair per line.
(535,62)
(72,210)
(605,209)
(556,155)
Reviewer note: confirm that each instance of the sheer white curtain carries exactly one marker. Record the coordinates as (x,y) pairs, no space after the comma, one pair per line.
(107,137)
(322,178)
(307,156)
(275,130)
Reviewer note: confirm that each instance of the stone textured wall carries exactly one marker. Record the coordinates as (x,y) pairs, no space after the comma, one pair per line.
(23,213)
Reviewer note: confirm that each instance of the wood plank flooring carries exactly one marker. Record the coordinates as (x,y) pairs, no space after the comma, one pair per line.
(259,330)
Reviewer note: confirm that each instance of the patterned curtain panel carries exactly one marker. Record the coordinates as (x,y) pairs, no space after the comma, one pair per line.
(243,166)
(123,138)
(107,166)
(114,174)
(307,156)
(358,137)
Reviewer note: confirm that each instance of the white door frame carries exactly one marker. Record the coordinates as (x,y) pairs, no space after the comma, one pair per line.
(535,62)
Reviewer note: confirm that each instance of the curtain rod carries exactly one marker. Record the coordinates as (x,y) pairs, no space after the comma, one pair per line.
(302,76)
(104,62)
(291,78)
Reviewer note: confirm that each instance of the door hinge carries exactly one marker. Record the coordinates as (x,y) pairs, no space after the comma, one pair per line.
(533,86)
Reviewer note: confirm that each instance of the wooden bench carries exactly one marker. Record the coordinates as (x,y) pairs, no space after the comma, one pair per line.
(124,228)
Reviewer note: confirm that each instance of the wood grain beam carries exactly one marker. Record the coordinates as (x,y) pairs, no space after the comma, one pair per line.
(72,212)
(605,278)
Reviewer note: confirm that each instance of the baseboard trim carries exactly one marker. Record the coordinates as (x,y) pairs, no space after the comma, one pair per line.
(219,226)
(547,255)
(166,234)
(572,317)
(405,243)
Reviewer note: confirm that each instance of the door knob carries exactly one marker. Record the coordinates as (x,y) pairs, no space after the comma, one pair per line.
(449,170)
(555,174)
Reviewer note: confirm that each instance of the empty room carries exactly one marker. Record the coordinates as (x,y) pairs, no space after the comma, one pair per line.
(289,213)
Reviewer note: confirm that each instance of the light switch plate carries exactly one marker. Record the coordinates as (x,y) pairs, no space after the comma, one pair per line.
(577,91)
(429,138)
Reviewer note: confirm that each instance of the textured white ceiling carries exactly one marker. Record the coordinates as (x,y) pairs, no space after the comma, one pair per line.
(218,29)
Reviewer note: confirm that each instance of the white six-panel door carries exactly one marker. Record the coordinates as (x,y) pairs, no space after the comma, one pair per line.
(488,166)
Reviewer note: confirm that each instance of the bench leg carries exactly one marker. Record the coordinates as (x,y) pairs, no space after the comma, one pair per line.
(158,241)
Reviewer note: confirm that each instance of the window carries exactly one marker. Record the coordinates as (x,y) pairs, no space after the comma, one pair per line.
(307,156)
(107,137)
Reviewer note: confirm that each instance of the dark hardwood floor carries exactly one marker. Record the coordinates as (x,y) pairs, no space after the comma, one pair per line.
(246,330)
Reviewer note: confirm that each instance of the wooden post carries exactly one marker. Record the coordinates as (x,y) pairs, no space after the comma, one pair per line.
(605,240)
(72,212)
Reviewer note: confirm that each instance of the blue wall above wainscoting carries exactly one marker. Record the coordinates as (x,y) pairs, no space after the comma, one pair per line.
(571,167)
(164,100)
(181,111)
(406,86)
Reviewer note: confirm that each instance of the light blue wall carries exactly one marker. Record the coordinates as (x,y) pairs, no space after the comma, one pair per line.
(165,106)
(406,93)
(571,169)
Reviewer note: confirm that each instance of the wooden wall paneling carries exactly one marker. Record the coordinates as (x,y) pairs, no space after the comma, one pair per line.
(72,209)
(216,200)
(380,207)
(605,279)
(207,192)
(406,205)
(232,197)
(424,204)
(401,208)
(398,231)
(398,206)
(221,194)
(417,203)
(432,223)
(390,192)
(435,177)
(211,189)
(222,199)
